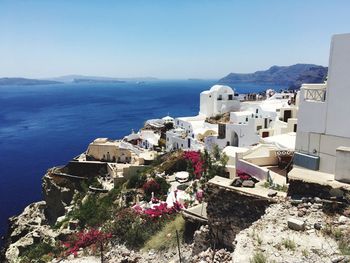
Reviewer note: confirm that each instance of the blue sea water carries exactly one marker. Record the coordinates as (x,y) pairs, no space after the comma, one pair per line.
(44,126)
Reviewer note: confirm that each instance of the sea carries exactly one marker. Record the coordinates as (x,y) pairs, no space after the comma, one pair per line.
(46,125)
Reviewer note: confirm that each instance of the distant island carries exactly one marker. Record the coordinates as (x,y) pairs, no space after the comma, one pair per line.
(291,76)
(24,81)
(93,81)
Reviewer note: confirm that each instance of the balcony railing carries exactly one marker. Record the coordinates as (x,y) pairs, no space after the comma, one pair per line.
(315,94)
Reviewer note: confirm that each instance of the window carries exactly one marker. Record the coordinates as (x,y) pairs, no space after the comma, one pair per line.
(265,134)
(257,111)
(258,127)
(295,127)
(230,97)
(222,131)
(246,119)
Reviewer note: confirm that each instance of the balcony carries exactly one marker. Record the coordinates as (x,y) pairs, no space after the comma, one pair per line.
(314,92)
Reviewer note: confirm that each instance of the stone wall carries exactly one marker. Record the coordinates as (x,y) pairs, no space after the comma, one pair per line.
(230,211)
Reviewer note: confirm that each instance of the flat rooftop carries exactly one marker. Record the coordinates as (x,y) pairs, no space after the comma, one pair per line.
(258,191)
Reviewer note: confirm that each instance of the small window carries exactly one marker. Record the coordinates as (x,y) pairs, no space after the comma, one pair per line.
(295,127)
(257,111)
(259,127)
(246,119)
(230,97)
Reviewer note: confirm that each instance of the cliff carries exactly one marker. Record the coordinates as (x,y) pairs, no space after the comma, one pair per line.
(35,224)
(290,76)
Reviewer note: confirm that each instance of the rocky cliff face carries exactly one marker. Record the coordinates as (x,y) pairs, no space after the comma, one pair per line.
(58,194)
(34,224)
(229,212)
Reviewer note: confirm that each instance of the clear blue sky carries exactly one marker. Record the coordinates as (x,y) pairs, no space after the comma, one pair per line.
(165,39)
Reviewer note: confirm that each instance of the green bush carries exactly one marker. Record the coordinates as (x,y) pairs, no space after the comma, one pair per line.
(39,253)
(136,181)
(258,258)
(133,229)
(164,185)
(96,210)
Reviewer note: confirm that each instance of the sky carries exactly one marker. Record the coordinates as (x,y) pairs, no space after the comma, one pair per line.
(165,39)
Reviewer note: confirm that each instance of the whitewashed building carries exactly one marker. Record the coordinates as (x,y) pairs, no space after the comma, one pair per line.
(218,100)
(189,133)
(256,120)
(323,134)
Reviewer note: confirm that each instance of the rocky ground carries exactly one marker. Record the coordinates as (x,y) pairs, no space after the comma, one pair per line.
(274,239)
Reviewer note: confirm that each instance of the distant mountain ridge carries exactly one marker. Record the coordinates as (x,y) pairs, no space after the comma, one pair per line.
(70,79)
(25,81)
(81,78)
(92,81)
(291,76)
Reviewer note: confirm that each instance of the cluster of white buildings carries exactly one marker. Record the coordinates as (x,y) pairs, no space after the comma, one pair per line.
(249,121)
(311,126)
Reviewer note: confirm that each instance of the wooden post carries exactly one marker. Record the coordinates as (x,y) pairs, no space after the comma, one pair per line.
(178,244)
(101,249)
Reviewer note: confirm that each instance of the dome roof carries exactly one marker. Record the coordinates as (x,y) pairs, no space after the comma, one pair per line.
(220,87)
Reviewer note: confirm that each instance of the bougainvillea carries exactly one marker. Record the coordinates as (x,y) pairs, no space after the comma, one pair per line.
(195,161)
(85,239)
(160,210)
(243,175)
(151,186)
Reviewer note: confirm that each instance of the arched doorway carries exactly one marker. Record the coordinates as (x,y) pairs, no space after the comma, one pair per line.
(234,139)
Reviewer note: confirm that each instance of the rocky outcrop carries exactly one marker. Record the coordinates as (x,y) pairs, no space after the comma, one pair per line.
(26,229)
(58,194)
(34,224)
(201,240)
(230,211)
(272,238)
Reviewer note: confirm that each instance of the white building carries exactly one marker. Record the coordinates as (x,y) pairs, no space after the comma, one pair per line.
(218,100)
(324,110)
(147,139)
(189,133)
(256,120)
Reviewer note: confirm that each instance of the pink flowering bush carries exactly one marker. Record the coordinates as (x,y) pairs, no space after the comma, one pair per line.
(158,211)
(195,161)
(243,175)
(151,186)
(85,239)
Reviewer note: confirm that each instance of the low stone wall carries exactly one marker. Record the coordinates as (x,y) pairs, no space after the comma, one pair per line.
(302,188)
(230,211)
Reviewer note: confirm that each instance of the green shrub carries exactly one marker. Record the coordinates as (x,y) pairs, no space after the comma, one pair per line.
(136,181)
(96,210)
(289,244)
(38,253)
(133,229)
(258,257)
